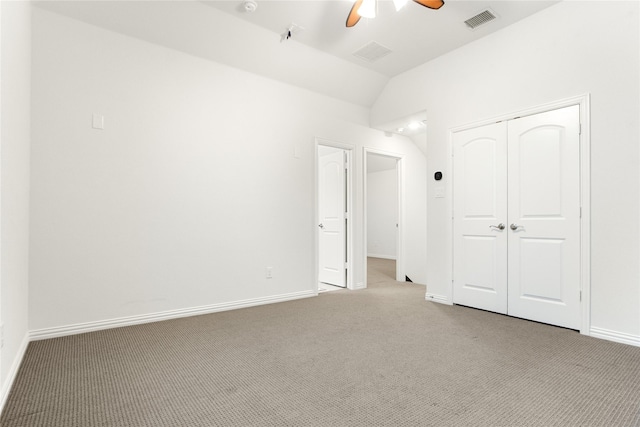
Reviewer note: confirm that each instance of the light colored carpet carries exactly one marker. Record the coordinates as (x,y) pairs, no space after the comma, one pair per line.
(377,357)
(380,272)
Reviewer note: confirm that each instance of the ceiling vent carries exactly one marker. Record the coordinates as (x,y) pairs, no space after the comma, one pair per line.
(372,52)
(480,19)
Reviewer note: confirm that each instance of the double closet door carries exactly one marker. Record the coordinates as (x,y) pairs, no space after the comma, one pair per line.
(516,209)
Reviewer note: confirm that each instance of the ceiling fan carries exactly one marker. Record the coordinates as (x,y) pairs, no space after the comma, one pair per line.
(367,8)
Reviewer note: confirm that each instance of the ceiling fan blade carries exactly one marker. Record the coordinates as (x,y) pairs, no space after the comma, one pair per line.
(353,17)
(431,4)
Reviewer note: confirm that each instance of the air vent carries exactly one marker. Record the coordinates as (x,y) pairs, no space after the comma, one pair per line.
(480,19)
(372,52)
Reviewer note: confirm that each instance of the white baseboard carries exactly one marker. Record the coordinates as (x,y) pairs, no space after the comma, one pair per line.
(381,256)
(620,337)
(81,328)
(13,372)
(442,299)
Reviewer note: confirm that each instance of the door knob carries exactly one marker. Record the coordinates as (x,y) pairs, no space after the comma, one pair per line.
(514,227)
(500,226)
(320,225)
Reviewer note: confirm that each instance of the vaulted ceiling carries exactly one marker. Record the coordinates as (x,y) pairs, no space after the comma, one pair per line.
(414,35)
(320,56)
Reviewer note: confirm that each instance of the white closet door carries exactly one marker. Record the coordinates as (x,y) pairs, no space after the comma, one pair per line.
(544,217)
(480,211)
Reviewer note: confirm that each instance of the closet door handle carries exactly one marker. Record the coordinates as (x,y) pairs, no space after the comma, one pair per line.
(500,226)
(514,227)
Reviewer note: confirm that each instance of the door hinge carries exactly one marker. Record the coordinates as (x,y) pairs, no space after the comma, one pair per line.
(580,211)
(580,295)
(579,128)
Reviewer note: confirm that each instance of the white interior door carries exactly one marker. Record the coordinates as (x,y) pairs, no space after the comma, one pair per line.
(332,195)
(480,216)
(544,217)
(517,217)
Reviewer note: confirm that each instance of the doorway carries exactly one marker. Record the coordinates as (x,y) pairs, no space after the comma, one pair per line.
(383,214)
(333,215)
(517,217)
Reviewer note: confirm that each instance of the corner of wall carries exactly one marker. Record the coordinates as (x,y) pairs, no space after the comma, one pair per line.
(15,138)
(13,372)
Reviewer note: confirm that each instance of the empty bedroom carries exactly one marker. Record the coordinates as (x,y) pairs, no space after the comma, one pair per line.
(182,182)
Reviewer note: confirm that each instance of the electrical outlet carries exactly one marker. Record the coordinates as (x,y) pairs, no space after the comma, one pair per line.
(269,273)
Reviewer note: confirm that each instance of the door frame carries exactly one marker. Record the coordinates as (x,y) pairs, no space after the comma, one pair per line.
(348,149)
(400,270)
(583,101)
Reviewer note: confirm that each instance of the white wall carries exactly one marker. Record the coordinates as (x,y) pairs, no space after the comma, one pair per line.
(14,188)
(566,50)
(189,192)
(382,213)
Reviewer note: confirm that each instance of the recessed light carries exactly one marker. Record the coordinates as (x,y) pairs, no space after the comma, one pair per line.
(414,125)
(400,129)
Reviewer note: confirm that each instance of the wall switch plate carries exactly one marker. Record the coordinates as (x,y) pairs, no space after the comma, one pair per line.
(97,121)
(439,192)
(269,273)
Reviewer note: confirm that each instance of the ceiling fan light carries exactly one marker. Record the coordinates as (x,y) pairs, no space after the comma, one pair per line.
(367,9)
(399,4)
